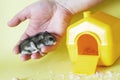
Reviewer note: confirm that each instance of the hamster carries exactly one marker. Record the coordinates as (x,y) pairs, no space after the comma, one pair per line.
(34,43)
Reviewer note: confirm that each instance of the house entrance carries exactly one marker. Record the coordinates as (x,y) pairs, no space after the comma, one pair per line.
(87,45)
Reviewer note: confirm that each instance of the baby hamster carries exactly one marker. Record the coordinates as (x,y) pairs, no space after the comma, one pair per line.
(34,43)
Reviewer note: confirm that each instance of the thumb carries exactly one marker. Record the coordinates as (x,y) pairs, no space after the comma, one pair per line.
(17,19)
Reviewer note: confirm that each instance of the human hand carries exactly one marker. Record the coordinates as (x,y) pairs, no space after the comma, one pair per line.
(43,16)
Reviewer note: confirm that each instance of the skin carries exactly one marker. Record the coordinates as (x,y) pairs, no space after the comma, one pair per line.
(52,16)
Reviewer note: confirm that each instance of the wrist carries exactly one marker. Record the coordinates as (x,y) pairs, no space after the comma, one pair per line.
(65,5)
(75,6)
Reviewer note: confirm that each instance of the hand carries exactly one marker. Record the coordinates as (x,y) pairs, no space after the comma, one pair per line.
(43,16)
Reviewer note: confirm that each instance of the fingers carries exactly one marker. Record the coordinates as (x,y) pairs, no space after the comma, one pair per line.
(25,57)
(47,49)
(17,19)
(36,56)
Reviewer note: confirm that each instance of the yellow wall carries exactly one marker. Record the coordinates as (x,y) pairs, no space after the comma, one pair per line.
(54,65)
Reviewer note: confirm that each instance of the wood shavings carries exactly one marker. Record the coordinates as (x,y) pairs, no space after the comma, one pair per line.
(97,76)
(15,78)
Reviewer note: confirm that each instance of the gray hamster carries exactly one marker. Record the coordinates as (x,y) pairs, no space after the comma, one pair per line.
(34,43)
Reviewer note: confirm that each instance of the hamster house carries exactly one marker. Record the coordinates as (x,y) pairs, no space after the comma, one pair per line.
(92,41)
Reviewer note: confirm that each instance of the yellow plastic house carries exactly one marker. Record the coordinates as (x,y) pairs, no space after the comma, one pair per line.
(92,41)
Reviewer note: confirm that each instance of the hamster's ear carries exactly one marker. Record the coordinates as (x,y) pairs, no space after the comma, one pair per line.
(46,33)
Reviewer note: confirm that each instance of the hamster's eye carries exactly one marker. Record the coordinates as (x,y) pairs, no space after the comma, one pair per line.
(50,38)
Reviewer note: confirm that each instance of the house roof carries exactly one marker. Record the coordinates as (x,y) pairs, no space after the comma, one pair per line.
(106,18)
(98,18)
